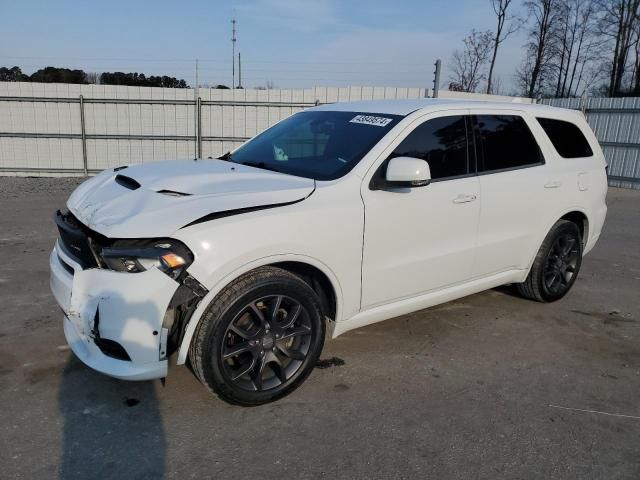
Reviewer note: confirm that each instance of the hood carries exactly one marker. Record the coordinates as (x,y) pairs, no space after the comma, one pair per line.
(156,199)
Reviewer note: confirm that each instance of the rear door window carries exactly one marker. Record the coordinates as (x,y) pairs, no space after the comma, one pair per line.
(504,142)
(566,137)
(442,142)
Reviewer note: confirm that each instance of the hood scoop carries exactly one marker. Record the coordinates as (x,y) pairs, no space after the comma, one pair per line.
(127,182)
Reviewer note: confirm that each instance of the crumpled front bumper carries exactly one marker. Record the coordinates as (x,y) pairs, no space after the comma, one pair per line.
(127,308)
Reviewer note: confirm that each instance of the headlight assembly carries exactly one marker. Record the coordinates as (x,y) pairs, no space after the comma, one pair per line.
(134,256)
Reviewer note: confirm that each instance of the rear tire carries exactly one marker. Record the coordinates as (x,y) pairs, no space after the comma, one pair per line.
(260,338)
(556,265)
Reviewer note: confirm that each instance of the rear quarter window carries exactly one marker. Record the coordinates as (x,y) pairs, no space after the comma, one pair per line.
(566,137)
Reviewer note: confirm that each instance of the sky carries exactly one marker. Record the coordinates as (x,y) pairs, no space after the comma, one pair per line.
(290,43)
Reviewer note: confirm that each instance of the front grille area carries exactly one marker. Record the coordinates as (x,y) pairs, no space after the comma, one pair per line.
(76,239)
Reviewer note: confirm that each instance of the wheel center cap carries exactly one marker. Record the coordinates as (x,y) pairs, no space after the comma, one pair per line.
(268,341)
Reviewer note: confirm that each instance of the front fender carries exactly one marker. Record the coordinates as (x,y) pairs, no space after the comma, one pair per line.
(230,277)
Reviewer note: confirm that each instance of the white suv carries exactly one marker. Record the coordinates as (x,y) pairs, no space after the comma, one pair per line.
(337,217)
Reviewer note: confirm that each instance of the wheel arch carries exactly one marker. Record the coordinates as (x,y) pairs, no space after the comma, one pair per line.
(314,272)
(581,220)
(576,215)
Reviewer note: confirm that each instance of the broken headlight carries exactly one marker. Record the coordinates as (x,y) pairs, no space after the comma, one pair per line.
(170,256)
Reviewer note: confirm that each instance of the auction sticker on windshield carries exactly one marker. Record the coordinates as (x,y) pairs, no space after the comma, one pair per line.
(371,120)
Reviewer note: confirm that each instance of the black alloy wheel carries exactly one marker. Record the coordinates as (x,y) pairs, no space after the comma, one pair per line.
(561,264)
(260,338)
(266,343)
(556,265)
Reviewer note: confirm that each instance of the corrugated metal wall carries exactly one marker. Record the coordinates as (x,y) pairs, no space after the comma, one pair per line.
(41,129)
(41,124)
(616,123)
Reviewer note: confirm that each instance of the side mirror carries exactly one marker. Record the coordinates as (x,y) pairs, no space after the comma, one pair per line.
(406,172)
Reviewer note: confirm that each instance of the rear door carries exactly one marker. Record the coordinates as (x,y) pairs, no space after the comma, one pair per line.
(517,191)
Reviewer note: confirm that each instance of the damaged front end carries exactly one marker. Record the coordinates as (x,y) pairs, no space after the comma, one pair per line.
(125,301)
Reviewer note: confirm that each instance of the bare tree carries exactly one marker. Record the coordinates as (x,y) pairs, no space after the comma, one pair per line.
(93,78)
(619,23)
(636,68)
(577,48)
(497,86)
(467,66)
(533,73)
(269,85)
(506,25)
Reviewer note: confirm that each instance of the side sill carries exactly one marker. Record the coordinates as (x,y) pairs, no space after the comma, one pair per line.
(430,299)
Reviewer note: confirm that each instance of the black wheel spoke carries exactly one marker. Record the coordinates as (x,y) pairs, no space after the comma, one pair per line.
(296,332)
(292,316)
(243,371)
(572,259)
(257,372)
(568,246)
(235,350)
(294,354)
(257,314)
(240,332)
(550,273)
(278,370)
(276,308)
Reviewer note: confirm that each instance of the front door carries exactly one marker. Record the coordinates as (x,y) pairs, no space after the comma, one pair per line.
(421,239)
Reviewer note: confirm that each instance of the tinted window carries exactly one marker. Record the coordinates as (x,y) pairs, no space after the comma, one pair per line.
(442,142)
(316,144)
(566,137)
(505,141)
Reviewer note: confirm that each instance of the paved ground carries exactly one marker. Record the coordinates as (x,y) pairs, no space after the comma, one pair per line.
(466,390)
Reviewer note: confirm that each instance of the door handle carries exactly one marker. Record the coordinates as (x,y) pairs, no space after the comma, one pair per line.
(553,184)
(464,198)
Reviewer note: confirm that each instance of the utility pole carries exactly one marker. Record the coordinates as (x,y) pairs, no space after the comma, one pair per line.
(436,78)
(233,52)
(239,72)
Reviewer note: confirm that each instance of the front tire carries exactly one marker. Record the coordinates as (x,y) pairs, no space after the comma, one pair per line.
(260,338)
(556,265)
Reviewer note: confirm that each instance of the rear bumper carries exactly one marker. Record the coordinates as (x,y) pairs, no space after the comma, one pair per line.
(123,308)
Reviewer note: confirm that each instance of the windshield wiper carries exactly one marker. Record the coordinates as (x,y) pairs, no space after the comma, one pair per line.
(261,165)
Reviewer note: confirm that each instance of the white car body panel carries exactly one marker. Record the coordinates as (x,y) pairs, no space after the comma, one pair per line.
(384,253)
(212,186)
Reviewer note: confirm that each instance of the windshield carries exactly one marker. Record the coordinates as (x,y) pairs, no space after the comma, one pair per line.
(315,144)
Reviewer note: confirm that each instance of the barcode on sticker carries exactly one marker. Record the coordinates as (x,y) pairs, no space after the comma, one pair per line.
(371,120)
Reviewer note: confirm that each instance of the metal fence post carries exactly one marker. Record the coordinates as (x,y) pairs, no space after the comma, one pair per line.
(583,104)
(199,128)
(436,78)
(83,138)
